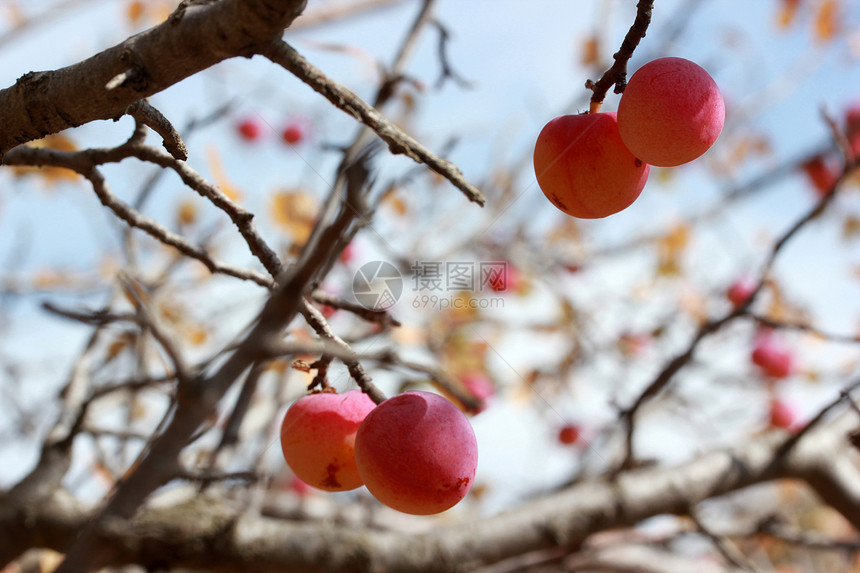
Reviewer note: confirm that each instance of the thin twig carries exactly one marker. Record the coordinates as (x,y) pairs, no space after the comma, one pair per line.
(398,141)
(617,74)
(147,114)
(669,371)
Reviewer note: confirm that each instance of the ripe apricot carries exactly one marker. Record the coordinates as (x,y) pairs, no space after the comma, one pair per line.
(584,168)
(318,438)
(417,453)
(671,112)
(774,359)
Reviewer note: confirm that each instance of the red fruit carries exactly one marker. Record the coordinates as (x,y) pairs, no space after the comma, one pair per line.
(481,388)
(347,253)
(852,120)
(781,415)
(568,434)
(773,358)
(318,438)
(852,129)
(854,141)
(630,344)
(300,488)
(250,129)
(417,453)
(741,290)
(822,176)
(508,280)
(294,132)
(328,311)
(583,167)
(671,112)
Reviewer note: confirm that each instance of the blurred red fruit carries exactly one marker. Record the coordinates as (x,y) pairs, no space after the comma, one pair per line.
(822,176)
(250,129)
(328,311)
(852,120)
(774,359)
(741,290)
(781,414)
(294,132)
(568,434)
(507,280)
(347,253)
(632,344)
(481,388)
(852,129)
(300,488)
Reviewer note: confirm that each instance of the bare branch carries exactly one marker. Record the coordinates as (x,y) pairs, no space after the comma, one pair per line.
(145,113)
(195,37)
(675,365)
(398,142)
(617,74)
(208,534)
(197,399)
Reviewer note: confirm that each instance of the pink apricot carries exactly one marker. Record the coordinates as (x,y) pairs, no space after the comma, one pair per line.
(781,414)
(584,168)
(773,358)
(318,438)
(671,112)
(741,290)
(417,453)
(568,434)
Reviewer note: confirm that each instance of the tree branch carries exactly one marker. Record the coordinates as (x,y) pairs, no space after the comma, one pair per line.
(195,37)
(398,142)
(617,74)
(207,533)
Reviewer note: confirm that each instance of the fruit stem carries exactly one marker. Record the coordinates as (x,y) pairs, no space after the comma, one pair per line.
(595,106)
(617,74)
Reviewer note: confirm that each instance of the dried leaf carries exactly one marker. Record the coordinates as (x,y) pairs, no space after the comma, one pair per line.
(138,409)
(187,213)
(694,304)
(668,267)
(135,10)
(675,242)
(51,175)
(590,51)
(787,13)
(47,279)
(566,230)
(120,343)
(295,212)
(14,14)
(220,176)
(850,227)
(397,204)
(196,335)
(826,20)
(301,366)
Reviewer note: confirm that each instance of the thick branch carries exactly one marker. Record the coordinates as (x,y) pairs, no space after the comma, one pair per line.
(197,36)
(207,534)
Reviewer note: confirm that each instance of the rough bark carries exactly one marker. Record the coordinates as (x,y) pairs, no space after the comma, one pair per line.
(207,533)
(196,36)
